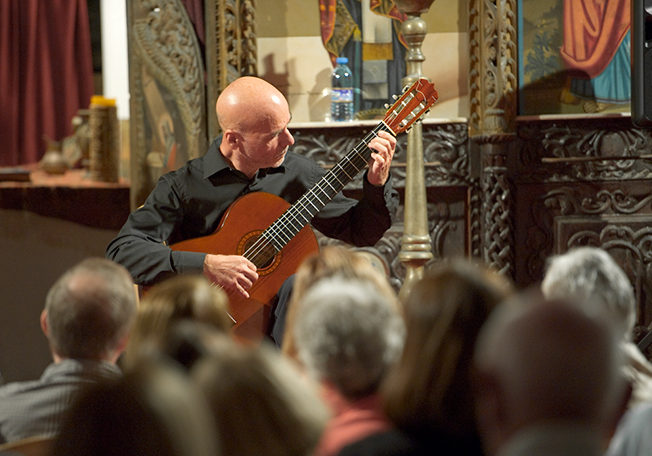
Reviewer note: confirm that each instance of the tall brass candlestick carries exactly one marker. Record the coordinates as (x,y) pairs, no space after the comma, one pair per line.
(416,247)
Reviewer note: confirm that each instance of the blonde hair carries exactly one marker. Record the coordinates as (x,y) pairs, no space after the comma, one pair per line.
(180,297)
(261,402)
(330,261)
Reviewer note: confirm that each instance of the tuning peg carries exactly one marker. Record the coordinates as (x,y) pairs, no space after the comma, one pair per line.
(395,97)
(386,105)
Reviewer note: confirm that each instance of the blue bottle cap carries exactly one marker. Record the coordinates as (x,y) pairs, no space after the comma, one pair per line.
(342,60)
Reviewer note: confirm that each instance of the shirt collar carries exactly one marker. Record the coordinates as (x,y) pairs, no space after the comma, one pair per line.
(214,161)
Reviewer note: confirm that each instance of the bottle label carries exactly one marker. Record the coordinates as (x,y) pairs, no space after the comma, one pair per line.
(342,95)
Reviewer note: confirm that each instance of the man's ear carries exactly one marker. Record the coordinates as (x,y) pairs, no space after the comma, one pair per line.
(232,138)
(119,349)
(44,322)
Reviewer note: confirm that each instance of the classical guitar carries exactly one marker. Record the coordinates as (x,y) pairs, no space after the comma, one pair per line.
(275,236)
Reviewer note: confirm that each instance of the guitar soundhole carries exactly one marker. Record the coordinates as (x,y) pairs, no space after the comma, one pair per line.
(261,253)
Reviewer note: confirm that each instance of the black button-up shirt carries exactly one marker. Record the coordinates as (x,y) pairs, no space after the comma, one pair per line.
(190,202)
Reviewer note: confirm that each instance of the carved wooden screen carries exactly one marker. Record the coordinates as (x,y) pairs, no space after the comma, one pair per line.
(174,82)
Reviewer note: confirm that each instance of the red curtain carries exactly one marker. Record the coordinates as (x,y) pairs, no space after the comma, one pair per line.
(46,74)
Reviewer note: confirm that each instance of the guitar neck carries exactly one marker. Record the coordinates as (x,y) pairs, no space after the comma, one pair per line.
(316,198)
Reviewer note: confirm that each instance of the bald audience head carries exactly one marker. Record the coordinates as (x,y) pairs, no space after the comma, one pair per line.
(545,362)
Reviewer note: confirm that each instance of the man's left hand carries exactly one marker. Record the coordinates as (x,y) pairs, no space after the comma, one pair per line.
(383,146)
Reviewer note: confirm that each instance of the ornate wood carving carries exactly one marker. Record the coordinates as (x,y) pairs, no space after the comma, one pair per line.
(492,89)
(493,72)
(230,47)
(166,77)
(582,182)
(173,97)
(497,202)
(604,215)
(569,150)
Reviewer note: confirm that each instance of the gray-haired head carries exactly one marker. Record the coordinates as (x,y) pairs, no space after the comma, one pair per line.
(349,334)
(591,275)
(89,309)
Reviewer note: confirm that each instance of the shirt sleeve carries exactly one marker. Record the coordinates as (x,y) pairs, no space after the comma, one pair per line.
(363,222)
(141,245)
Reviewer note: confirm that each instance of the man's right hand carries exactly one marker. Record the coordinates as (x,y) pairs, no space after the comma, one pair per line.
(234,273)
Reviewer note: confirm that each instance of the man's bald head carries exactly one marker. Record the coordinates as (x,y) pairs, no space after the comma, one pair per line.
(249,103)
(547,361)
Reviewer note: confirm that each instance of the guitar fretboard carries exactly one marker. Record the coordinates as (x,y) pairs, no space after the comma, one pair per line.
(279,233)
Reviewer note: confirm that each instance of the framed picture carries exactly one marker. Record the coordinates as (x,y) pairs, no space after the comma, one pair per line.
(574,56)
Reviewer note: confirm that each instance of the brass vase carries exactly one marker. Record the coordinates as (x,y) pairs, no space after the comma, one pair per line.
(53,161)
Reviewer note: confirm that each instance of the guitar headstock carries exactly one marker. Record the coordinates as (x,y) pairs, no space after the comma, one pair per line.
(414,102)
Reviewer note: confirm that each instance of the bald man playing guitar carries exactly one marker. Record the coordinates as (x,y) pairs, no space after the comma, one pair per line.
(251,156)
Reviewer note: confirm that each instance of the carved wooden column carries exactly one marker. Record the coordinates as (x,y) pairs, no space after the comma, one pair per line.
(167,96)
(231,49)
(493,85)
(173,94)
(416,248)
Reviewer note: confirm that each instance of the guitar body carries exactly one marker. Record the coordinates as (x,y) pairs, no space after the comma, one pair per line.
(239,228)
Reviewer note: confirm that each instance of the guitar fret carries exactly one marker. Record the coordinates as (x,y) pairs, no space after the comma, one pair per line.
(320,201)
(311,203)
(334,189)
(338,181)
(318,187)
(344,171)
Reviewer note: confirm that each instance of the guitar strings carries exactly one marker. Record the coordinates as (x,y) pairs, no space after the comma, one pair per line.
(278,235)
(270,236)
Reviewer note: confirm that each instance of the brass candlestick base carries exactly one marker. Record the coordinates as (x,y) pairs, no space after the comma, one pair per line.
(416,249)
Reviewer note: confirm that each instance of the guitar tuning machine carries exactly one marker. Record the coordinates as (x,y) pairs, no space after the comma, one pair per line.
(386,105)
(395,97)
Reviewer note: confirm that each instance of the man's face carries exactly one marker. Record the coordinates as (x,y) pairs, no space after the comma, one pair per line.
(266,147)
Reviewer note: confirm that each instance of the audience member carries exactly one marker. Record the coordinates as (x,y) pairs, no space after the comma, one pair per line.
(547,380)
(348,334)
(87,316)
(261,402)
(187,341)
(154,410)
(179,297)
(331,260)
(427,396)
(589,274)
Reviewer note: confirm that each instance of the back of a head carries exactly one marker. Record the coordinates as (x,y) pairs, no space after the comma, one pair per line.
(182,297)
(90,309)
(553,362)
(349,334)
(331,261)
(444,311)
(154,410)
(591,275)
(261,403)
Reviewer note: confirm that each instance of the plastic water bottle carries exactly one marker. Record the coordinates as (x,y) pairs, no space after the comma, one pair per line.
(342,91)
